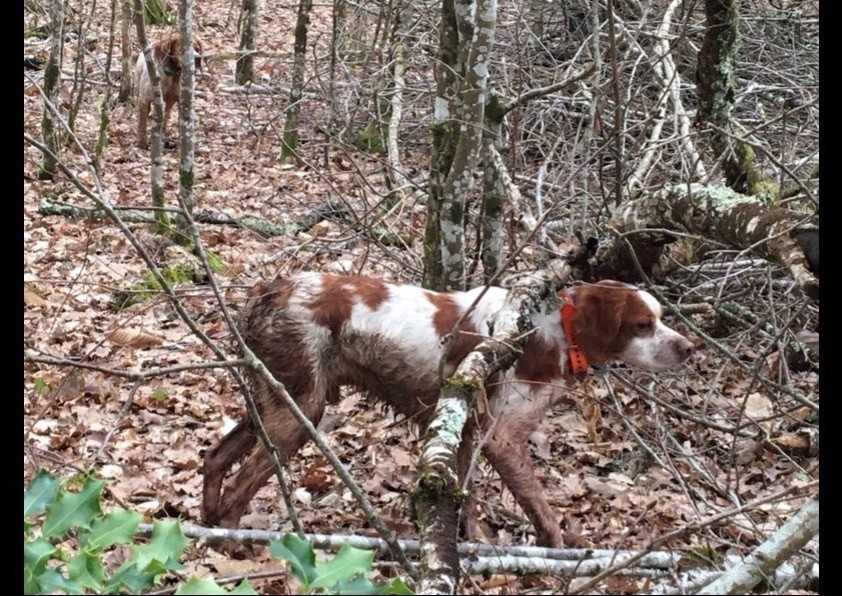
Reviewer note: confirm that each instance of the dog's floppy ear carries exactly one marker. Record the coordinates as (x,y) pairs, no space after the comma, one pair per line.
(598,317)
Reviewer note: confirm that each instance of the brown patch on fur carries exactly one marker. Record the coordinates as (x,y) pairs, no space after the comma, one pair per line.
(444,322)
(539,363)
(332,306)
(372,292)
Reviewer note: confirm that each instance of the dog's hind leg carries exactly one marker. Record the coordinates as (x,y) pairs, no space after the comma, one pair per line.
(218,461)
(287,436)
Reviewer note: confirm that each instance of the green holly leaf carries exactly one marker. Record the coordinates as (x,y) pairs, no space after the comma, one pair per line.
(299,553)
(116,527)
(41,492)
(347,563)
(73,509)
(51,581)
(164,548)
(136,580)
(36,553)
(87,570)
(359,585)
(396,586)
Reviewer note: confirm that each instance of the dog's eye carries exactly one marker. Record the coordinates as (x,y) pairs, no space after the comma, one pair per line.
(643,325)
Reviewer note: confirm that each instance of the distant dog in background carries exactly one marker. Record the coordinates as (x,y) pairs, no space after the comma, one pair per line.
(166,51)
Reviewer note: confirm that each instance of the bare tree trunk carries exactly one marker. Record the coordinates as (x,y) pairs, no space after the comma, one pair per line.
(244,70)
(50,126)
(618,134)
(289,142)
(399,185)
(186,120)
(445,134)
(80,74)
(495,190)
(474,26)
(337,23)
(156,140)
(105,106)
(125,51)
(716,86)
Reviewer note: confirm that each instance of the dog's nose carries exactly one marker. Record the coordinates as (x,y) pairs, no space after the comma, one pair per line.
(684,347)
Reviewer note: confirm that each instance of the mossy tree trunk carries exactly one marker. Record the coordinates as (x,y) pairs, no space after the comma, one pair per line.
(50,119)
(244,69)
(437,493)
(289,142)
(494,191)
(445,134)
(125,51)
(156,139)
(716,213)
(466,38)
(186,120)
(716,84)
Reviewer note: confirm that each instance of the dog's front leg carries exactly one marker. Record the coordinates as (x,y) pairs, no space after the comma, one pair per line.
(507,451)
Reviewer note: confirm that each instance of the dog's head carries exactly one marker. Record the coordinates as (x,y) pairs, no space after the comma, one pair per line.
(167,51)
(617,321)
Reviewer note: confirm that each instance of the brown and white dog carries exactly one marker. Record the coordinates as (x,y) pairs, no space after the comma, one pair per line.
(166,52)
(317,332)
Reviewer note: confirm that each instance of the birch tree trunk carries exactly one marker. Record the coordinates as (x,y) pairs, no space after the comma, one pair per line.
(50,126)
(186,120)
(289,142)
(125,51)
(156,140)
(244,69)
(784,543)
